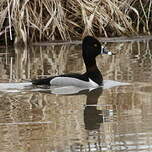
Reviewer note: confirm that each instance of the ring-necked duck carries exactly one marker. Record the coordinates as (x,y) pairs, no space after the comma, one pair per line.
(91,47)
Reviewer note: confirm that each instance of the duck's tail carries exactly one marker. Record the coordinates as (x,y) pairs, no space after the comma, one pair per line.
(44,81)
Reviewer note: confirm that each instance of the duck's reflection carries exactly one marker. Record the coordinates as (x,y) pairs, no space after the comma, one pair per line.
(93,117)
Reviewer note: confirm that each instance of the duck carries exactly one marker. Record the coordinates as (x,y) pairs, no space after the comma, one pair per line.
(91,78)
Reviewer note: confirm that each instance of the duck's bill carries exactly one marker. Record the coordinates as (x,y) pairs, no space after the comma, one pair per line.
(105,51)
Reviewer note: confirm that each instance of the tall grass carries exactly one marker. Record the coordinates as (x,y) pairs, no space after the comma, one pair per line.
(45,20)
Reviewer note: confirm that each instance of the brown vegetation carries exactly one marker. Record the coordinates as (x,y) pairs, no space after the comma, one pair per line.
(45,20)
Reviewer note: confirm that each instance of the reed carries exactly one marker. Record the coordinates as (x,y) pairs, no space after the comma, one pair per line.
(46,20)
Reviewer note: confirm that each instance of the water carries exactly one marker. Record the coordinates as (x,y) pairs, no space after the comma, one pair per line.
(113,118)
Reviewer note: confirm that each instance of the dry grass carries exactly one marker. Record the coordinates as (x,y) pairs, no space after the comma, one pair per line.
(44,20)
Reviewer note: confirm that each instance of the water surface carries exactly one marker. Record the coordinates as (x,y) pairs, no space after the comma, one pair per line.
(113,118)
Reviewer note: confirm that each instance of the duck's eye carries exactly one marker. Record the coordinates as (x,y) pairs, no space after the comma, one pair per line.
(95,45)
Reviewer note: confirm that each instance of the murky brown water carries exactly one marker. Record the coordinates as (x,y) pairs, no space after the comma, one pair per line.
(111,119)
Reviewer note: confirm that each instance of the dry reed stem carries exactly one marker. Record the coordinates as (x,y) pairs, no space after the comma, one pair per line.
(43,20)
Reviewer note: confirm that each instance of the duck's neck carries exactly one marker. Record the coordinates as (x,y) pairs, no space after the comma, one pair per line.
(90,64)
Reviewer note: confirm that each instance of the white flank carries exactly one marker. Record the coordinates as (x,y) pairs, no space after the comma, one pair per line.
(66,81)
(67,90)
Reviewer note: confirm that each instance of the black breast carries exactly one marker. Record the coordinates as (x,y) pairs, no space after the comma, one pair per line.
(95,76)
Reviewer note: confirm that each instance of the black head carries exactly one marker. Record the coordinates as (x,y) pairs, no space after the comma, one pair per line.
(91,47)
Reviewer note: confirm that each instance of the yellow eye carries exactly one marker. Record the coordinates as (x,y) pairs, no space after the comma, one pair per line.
(95,45)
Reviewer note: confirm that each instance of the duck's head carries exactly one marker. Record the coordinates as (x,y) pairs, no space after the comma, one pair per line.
(92,47)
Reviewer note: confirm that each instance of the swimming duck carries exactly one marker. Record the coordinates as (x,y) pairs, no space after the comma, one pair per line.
(91,48)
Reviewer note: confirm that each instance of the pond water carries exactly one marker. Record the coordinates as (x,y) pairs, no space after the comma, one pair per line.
(115,118)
